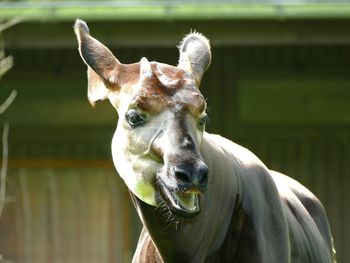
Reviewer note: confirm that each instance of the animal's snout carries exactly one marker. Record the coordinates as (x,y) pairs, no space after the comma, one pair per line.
(192,177)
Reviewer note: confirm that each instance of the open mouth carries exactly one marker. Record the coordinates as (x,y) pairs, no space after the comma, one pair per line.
(184,204)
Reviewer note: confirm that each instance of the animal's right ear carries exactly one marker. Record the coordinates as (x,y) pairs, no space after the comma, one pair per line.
(103,66)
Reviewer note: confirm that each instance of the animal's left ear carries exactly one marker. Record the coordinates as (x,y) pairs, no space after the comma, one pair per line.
(195,55)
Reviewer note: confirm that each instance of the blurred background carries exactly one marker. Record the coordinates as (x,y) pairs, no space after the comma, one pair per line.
(279,84)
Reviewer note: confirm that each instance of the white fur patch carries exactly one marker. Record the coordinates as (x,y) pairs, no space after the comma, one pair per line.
(130,151)
(135,179)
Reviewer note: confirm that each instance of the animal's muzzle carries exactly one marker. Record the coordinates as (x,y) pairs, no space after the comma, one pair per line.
(181,187)
(192,178)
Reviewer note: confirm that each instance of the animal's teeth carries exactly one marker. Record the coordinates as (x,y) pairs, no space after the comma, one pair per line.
(188,200)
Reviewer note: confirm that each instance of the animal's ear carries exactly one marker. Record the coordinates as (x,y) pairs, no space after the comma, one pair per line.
(195,55)
(103,66)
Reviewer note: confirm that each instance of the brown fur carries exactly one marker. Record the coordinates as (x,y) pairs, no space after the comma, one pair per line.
(167,87)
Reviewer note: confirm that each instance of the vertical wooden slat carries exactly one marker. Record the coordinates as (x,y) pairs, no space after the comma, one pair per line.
(105,207)
(291,159)
(68,220)
(55,209)
(26,215)
(9,242)
(115,229)
(319,168)
(276,156)
(33,199)
(304,162)
(18,217)
(95,205)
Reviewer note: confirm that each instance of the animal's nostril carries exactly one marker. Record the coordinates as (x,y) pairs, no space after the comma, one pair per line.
(194,177)
(182,175)
(202,174)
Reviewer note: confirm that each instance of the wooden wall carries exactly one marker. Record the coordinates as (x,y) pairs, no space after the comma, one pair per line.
(288,104)
(66,212)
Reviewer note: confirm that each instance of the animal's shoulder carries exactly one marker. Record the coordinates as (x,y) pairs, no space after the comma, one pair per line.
(246,170)
(286,186)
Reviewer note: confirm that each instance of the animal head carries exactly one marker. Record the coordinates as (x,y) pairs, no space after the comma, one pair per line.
(161,120)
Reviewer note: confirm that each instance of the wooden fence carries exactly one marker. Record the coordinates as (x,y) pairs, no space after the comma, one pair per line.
(66,214)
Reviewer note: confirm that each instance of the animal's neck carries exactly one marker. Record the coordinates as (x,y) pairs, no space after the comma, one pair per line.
(169,237)
(160,242)
(197,239)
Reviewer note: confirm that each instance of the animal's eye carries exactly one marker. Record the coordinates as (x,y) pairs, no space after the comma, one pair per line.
(135,118)
(202,121)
